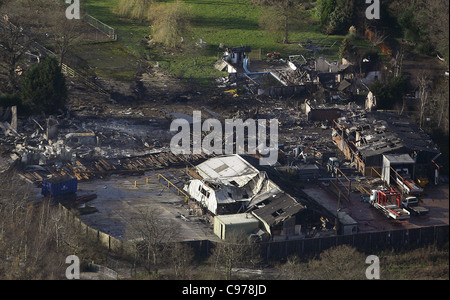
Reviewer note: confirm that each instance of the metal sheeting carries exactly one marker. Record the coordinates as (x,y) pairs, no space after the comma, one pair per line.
(230,170)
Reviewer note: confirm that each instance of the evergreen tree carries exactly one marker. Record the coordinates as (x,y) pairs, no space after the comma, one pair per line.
(335,16)
(44,88)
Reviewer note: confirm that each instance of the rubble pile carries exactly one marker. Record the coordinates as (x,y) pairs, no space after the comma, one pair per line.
(85,170)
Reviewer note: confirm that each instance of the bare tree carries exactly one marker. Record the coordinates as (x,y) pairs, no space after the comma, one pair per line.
(27,242)
(152,237)
(181,259)
(237,251)
(65,33)
(280,15)
(339,263)
(377,38)
(443,110)
(423,82)
(35,236)
(25,22)
(13,46)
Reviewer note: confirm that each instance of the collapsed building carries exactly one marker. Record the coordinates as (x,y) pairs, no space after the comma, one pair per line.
(242,197)
(365,139)
(226,184)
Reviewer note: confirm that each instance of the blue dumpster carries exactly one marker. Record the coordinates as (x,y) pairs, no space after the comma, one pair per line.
(59,186)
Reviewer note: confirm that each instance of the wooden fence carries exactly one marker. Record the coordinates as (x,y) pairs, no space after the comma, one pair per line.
(85,79)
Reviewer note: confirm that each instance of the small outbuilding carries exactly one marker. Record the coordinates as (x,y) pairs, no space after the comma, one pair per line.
(226,226)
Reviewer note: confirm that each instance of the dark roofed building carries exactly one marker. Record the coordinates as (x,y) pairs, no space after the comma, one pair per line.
(364,140)
(278,213)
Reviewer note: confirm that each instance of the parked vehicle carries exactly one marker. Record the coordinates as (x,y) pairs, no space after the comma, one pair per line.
(412,205)
(388,202)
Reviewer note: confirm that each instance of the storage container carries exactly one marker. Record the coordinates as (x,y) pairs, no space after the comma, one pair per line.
(59,186)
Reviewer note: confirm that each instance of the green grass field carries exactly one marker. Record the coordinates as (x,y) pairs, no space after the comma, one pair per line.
(231,22)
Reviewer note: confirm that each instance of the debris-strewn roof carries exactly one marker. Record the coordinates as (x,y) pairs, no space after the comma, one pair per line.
(383,132)
(278,208)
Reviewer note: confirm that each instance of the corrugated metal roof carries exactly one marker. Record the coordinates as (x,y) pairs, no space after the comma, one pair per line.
(230,170)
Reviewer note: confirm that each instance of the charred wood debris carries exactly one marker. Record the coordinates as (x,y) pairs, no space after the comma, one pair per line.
(52,147)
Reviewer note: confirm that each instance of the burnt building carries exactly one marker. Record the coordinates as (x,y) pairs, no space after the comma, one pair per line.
(365,138)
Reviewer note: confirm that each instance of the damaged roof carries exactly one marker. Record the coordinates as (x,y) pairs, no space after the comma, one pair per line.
(229,169)
(399,159)
(277,208)
(383,132)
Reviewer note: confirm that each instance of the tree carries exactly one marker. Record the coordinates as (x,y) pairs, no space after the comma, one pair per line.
(28,248)
(236,251)
(338,263)
(181,258)
(335,16)
(13,45)
(434,19)
(425,24)
(136,9)
(441,105)
(63,33)
(280,15)
(152,237)
(170,23)
(345,48)
(391,93)
(423,82)
(24,22)
(341,18)
(324,8)
(44,87)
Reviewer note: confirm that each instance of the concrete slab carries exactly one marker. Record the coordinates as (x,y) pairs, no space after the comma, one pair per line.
(119,199)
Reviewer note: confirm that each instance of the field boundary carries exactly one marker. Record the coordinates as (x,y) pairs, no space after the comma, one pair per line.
(100,26)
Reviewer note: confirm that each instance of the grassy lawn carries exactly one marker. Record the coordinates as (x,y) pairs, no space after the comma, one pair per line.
(231,22)
(109,60)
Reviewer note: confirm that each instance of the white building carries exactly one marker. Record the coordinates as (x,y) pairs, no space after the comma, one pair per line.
(226,184)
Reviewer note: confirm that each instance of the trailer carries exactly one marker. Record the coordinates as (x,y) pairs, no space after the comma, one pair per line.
(408,186)
(388,201)
(406,183)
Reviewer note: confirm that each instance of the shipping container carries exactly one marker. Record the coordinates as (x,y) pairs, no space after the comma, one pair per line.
(59,186)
